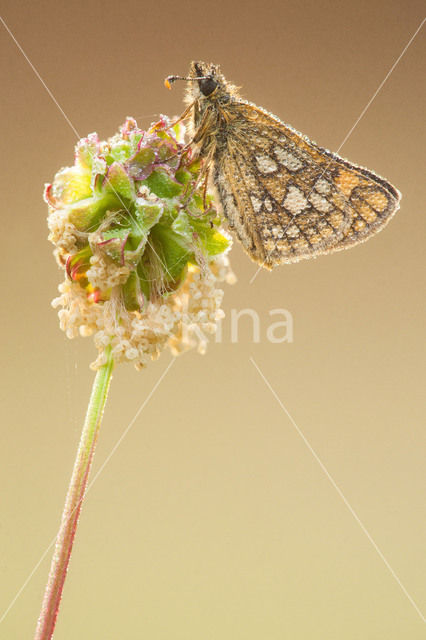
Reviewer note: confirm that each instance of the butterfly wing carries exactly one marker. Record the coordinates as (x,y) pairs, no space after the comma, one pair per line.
(289,199)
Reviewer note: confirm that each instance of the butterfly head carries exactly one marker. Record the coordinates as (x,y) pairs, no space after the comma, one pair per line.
(205,82)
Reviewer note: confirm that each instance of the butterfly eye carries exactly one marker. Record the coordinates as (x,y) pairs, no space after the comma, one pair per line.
(207,86)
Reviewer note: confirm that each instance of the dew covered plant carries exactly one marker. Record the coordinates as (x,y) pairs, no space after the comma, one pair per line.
(141,247)
(140,243)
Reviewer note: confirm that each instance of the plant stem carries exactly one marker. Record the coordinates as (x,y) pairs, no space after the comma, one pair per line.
(76,490)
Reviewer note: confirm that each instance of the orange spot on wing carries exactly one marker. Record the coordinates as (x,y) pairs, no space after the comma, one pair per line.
(346,182)
(377,200)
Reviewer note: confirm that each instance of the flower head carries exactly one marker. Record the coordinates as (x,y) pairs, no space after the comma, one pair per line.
(140,244)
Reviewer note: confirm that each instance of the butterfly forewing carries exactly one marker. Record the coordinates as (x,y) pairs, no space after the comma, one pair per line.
(285,197)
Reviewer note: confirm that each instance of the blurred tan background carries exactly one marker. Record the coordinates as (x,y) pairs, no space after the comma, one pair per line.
(213,520)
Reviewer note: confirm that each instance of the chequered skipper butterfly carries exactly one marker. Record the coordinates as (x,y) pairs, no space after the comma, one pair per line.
(285,197)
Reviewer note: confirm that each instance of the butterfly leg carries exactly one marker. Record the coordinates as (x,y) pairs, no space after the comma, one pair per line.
(202,179)
(206,179)
(183,116)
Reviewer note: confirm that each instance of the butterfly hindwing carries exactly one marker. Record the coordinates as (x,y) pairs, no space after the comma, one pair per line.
(289,199)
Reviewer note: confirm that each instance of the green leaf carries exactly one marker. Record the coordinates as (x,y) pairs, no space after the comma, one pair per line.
(160,183)
(212,241)
(194,166)
(78,264)
(120,151)
(172,251)
(147,214)
(191,228)
(85,150)
(144,280)
(72,184)
(133,296)
(183,176)
(87,214)
(137,163)
(182,226)
(215,243)
(118,182)
(114,242)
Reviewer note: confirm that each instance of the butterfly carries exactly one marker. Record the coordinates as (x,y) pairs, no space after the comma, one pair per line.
(285,197)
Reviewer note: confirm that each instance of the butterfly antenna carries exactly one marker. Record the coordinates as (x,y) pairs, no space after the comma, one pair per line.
(171,79)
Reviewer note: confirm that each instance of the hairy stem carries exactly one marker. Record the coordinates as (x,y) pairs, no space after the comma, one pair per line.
(73,502)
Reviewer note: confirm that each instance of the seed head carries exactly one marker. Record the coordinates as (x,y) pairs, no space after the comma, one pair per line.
(139,242)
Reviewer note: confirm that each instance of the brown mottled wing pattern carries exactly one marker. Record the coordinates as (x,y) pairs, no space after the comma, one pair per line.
(288,199)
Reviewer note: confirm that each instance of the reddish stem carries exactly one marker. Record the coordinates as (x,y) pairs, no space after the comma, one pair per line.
(77,487)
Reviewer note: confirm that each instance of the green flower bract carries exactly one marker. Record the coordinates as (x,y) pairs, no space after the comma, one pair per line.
(135,202)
